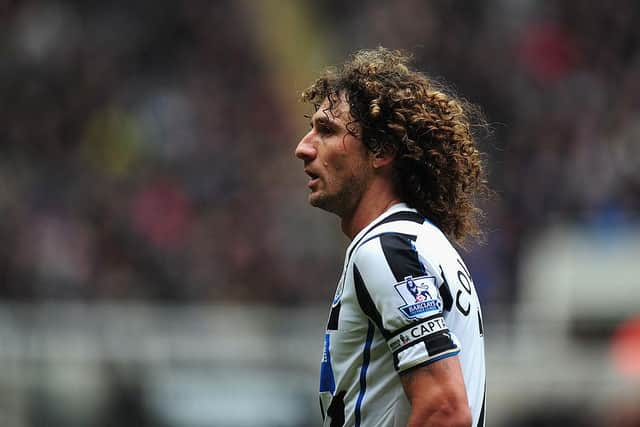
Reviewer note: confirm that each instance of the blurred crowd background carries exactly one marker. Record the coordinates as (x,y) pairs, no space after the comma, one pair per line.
(146,147)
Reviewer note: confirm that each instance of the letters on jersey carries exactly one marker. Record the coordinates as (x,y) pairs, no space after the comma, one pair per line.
(420,295)
(418,333)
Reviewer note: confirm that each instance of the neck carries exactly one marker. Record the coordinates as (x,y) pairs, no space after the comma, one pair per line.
(372,204)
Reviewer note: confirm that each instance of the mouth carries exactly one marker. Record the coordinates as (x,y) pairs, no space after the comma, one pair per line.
(314,177)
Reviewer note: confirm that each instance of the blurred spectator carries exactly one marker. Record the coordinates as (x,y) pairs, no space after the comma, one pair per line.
(145,148)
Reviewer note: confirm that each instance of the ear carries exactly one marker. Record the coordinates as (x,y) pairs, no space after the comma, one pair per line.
(383,158)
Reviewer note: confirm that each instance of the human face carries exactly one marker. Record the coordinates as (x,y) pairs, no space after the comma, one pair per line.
(337,162)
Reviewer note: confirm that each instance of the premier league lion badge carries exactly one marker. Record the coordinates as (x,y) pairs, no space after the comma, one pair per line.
(420,295)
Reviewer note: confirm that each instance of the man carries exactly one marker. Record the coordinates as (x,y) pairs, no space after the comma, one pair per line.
(392,154)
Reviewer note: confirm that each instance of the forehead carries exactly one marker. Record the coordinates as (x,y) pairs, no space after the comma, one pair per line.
(335,108)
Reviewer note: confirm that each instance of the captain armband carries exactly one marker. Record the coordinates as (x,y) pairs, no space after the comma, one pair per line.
(422,343)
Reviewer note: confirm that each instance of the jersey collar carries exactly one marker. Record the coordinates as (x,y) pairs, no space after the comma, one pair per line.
(398,207)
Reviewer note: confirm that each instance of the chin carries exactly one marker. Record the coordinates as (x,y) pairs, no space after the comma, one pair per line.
(316,200)
(319,201)
(329,204)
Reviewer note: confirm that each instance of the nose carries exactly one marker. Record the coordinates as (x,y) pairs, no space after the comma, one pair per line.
(306,150)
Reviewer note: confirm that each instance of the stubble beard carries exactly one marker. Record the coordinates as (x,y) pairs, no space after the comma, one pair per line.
(344,202)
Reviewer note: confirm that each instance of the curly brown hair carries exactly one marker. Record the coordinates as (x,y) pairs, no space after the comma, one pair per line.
(438,169)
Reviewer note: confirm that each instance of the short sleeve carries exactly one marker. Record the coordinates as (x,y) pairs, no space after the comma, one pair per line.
(402,297)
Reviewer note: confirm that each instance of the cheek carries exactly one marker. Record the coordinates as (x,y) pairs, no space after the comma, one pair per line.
(334,162)
(339,168)
(341,159)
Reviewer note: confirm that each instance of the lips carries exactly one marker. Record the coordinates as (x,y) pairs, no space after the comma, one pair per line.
(314,177)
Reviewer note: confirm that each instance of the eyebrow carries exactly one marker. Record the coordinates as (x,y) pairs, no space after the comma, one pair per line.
(322,120)
(327,117)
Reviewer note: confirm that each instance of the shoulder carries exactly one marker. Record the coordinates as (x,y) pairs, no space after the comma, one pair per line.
(390,243)
(389,251)
(369,254)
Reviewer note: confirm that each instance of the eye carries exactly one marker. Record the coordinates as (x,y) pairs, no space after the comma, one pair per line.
(323,128)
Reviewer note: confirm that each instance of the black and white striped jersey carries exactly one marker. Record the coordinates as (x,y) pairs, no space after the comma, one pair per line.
(405,299)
